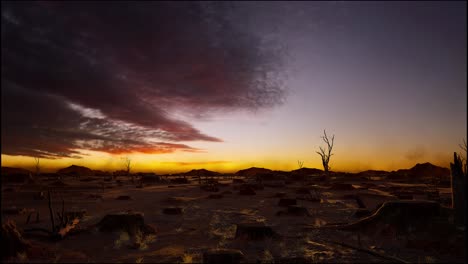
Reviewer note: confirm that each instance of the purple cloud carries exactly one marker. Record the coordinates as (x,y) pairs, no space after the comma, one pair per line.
(107,76)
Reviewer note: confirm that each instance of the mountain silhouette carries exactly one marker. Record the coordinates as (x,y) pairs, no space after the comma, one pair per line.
(75,170)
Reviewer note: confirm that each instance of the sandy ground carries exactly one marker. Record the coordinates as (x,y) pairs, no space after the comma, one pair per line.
(209,223)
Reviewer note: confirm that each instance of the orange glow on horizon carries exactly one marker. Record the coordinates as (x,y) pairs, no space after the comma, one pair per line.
(179,162)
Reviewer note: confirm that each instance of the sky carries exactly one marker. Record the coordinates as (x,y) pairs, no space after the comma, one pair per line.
(176,86)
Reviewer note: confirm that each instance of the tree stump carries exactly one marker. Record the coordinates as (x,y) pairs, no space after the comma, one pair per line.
(129,222)
(459,186)
(256,230)
(227,256)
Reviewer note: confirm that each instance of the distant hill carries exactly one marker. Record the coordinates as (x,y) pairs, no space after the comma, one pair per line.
(14,171)
(200,172)
(16,175)
(254,171)
(307,171)
(75,170)
(421,171)
(280,172)
(428,170)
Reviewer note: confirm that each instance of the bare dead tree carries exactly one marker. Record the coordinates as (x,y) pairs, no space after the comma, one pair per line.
(61,223)
(300,164)
(459,187)
(38,168)
(459,184)
(128,163)
(326,152)
(463,156)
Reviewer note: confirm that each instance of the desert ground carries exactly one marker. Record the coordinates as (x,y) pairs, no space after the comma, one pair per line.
(234,219)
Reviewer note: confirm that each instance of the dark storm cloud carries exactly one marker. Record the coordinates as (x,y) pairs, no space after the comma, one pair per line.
(107,76)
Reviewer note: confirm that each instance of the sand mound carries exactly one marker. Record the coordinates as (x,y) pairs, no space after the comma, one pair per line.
(294,210)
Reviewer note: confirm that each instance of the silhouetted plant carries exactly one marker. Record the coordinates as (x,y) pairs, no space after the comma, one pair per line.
(61,223)
(128,163)
(326,153)
(300,164)
(463,156)
(458,170)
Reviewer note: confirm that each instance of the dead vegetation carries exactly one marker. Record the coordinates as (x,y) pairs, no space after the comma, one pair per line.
(326,153)
(13,244)
(353,221)
(61,222)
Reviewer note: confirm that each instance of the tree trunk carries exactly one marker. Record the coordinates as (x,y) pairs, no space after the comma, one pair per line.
(458,179)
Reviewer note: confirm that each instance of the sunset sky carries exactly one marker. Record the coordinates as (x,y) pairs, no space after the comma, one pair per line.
(226,86)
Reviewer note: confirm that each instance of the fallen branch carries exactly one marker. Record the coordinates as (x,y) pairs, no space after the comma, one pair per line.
(62,232)
(51,212)
(368,251)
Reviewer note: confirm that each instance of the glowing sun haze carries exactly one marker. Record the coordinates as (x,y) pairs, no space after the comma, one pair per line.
(225,86)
